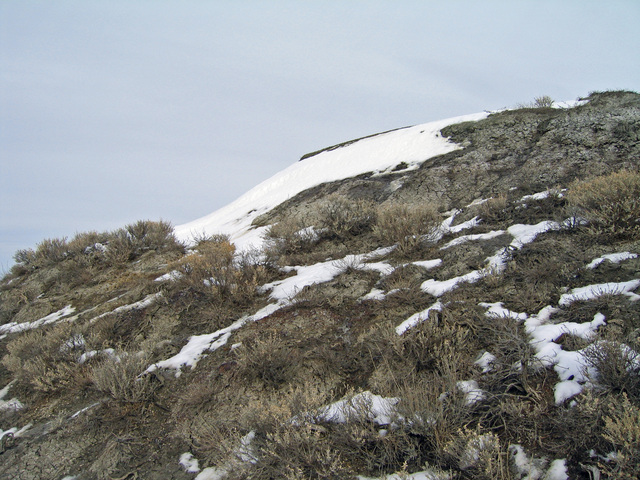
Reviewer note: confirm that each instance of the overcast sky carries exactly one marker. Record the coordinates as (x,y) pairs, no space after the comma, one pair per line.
(115,111)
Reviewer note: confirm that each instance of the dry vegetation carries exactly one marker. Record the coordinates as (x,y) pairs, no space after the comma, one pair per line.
(253,407)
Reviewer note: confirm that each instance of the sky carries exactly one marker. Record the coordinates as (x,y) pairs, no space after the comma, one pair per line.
(112,112)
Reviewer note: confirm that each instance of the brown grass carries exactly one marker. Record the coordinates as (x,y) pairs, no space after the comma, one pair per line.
(408,226)
(611,203)
(121,377)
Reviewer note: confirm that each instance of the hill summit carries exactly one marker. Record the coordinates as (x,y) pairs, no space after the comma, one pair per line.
(458,299)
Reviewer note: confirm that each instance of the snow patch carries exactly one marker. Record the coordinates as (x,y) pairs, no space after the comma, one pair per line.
(9,405)
(470,238)
(594,291)
(15,327)
(484,361)
(417,318)
(471,389)
(611,257)
(376,409)
(189,463)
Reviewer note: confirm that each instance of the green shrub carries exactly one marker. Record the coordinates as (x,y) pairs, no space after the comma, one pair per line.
(610,203)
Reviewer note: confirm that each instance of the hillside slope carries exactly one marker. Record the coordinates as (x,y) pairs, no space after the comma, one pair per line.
(452,300)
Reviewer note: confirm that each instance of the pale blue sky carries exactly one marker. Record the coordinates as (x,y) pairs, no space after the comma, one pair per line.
(114,111)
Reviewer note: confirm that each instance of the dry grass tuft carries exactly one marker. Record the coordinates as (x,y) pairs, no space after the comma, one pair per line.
(342,218)
(406,225)
(610,203)
(121,377)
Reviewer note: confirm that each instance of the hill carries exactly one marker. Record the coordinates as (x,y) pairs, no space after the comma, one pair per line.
(457,299)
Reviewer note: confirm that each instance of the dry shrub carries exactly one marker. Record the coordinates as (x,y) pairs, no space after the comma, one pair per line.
(16,297)
(50,251)
(341,217)
(294,441)
(622,429)
(434,346)
(407,225)
(121,377)
(284,431)
(269,359)
(128,243)
(435,410)
(44,359)
(120,248)
(215,270)
(290,236)
(479,454)
(87,243)
(494,210)
(544,101)
(26,258)
(610,203)
(616,367)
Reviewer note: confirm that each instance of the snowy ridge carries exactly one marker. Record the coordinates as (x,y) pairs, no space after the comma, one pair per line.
(376,154)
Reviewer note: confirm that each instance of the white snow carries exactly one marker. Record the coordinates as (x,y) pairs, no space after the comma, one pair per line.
(109,352)
(14,327)
(197,345)
(428,264)
(15,431)
(144,303)
(471,389)
(171,276)
(374,294)
(12,404)
(470,238)
(611,257)
(437,288)
(189,463)
(497,310)
(523,234)
(287,289)
(570,366)
(485,360)
(212,473)
(382,152)
(424,475)
(376,408)
(528,468)
(417,318)
(447,228)
(594,291)
(82,410)
(557,470)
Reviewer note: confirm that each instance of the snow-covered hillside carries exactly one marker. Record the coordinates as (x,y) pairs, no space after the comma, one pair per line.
(378,154)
